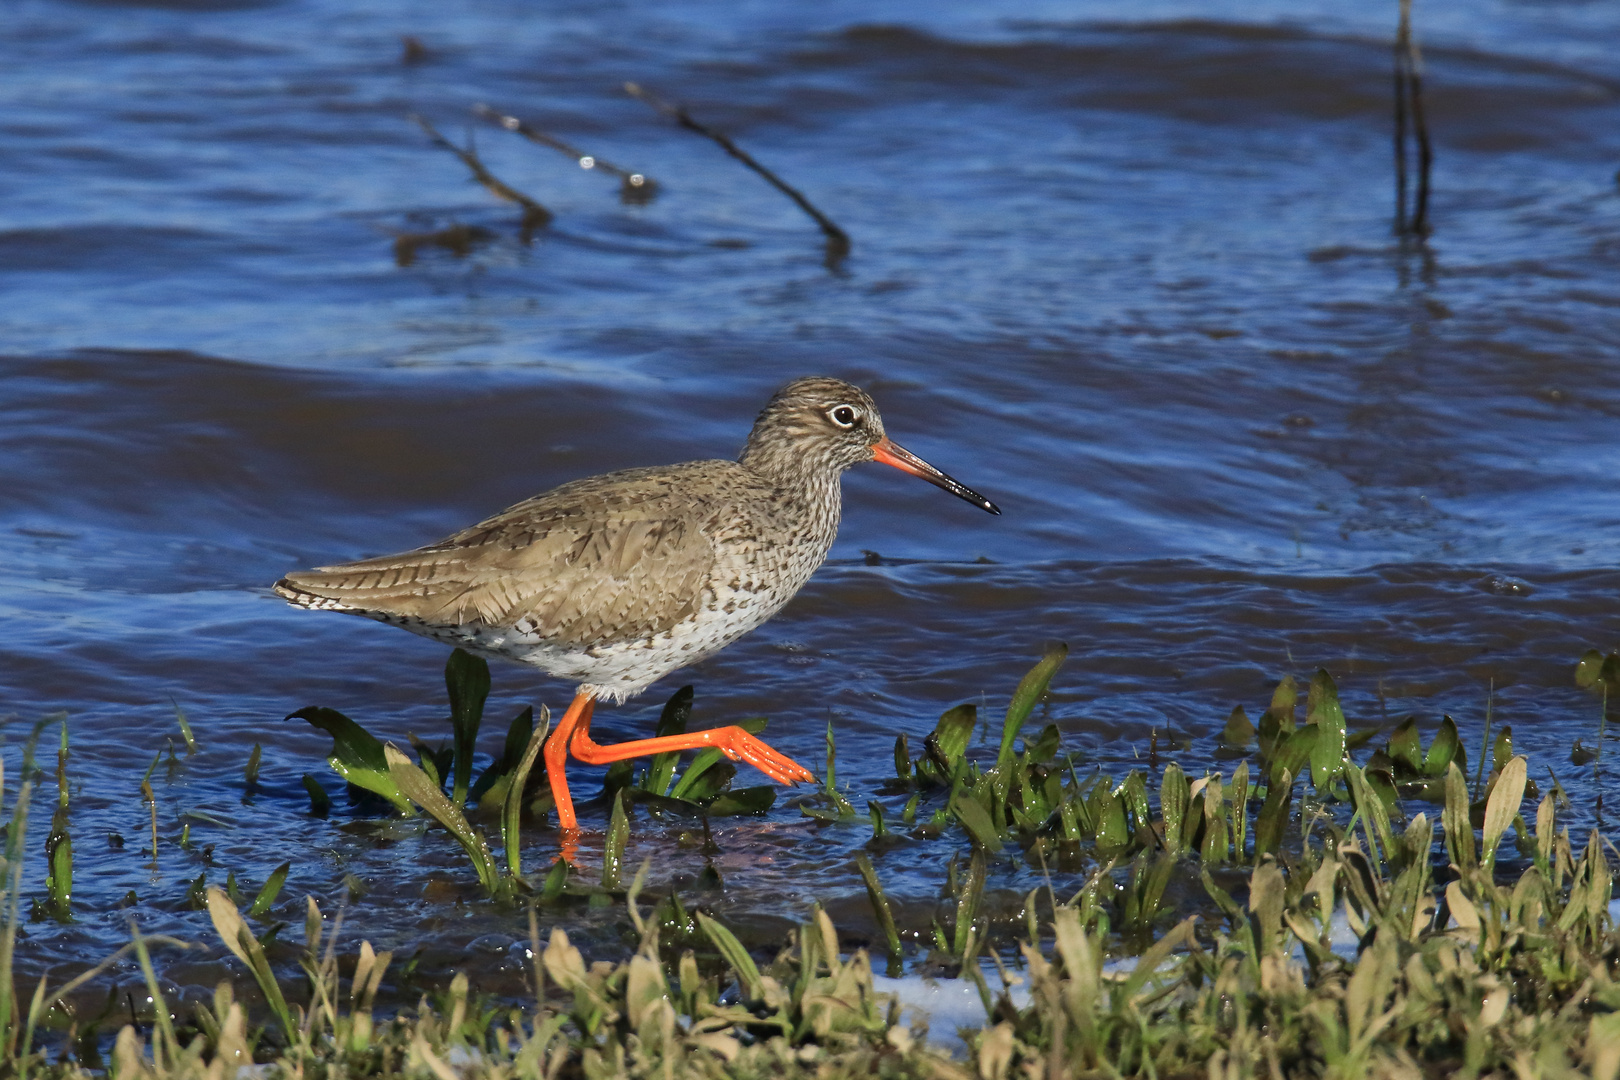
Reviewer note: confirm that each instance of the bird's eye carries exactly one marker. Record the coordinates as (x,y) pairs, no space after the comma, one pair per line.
(844,416)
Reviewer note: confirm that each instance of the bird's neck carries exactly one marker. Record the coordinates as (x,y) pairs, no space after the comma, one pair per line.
(807,489)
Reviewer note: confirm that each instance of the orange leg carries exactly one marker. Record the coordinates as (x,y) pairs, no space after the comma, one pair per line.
(733,742)
(578,717)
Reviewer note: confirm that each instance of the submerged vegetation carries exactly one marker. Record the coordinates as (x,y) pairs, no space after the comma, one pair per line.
(1338,934)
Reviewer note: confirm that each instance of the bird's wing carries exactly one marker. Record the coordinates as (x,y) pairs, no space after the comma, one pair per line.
(609,559)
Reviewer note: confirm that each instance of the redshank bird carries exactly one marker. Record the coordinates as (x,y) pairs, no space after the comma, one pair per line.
(614,581)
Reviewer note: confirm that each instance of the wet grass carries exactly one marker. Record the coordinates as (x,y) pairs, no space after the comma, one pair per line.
(1337,934)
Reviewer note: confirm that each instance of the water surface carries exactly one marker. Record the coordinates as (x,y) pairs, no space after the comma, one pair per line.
(1127,269)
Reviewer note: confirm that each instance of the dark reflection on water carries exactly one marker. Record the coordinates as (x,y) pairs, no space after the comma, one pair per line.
(1132,280)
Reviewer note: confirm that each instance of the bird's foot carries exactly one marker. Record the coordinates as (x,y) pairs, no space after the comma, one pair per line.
(738,745)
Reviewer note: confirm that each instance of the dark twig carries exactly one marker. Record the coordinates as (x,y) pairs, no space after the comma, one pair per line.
(838,242)
(634,187)
(1409,106)
(535,216)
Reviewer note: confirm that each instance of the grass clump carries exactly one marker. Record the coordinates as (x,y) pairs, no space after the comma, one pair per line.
(1473,977)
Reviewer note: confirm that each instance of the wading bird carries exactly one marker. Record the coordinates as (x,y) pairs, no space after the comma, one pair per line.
(614,581)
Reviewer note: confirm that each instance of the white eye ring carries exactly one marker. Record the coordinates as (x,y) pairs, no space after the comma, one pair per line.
(845,416)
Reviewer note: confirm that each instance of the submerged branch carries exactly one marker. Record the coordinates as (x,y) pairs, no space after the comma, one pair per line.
(838,242)
(1409,115)
(634,187)
(535,216)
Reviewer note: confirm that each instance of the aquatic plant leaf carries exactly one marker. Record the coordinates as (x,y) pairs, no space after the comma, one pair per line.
(1217,841)
(968,900)
(1327,756)
(1284,700)
(1294,750)
(742,801)
(706,759)
(1267,896)
(1502,807)
(1239,731)
(517,740)
(1454,819)
(1173,802)
(357,756)
(747,972)
(1031,687)
(902,759)
(1374,815)
(1144,890)
(1502,752)
(414,783)
(556,878)
(880,903)
(976,820)
(1589,669)
(1133,792)
(951,735)
(59,879)
(270,890)
(1273,816)
(1046,745)
(234,932)
(466,677)
(711,781)
(663,804)
(185,729)
(320,803)
(1113,832)
(1156,956)
(1446,748)
(618,834)
(1406,747)
(435,762)
(676,714)
(512,807)
(1240,810)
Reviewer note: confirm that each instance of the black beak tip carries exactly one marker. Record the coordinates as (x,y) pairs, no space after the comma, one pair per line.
(992,508)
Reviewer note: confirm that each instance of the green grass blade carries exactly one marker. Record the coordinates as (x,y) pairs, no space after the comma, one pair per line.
(185,729)
(880,903)
(677,713)
(618,835)
(512,810)
(59,882)
(748,977)
(268,893)
(234,932)
(320,803)
(414,783)
(967,904)
(1030,689)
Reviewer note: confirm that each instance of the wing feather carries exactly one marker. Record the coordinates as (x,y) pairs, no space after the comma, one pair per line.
(614,558)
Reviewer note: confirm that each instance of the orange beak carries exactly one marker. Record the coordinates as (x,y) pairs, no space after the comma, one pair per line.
(891,453)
